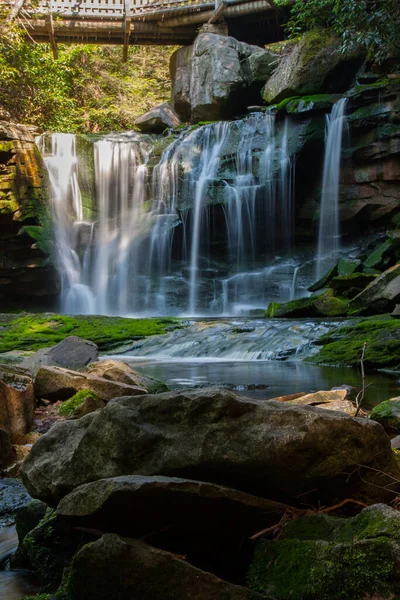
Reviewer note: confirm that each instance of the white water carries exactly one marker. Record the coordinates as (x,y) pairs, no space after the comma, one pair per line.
(155,241)
(329,232)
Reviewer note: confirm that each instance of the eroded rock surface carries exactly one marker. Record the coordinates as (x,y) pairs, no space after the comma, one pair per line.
(17,402)
(269,449)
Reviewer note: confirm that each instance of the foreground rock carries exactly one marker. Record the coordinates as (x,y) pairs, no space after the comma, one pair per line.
(17,402)
(72,353)
(116,370)
(269,449)
(117,567)
(157,119)
(321,557)
(54,383)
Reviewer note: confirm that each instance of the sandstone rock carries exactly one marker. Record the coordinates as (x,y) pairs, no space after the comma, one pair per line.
(180,71)
(312,66)
(271,449)
(17,402)
(158,118)
(289,397)
(7,452)
(117,370)
(116,567)
(381,295)
(396,312)
(55,383)
(72,353)
(88,406)
(328,557)
(226,76)
(321,397)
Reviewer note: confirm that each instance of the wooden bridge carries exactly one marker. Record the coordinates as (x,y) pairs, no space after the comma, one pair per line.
(127,22)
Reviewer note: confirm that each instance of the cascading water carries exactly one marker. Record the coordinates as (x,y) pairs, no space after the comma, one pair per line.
(328,233)
(195,232)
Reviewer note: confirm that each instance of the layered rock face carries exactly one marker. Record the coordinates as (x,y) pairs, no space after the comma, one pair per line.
(26,277)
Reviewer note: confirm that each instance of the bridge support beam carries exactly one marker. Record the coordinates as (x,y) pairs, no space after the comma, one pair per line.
(50,31)
(127,30)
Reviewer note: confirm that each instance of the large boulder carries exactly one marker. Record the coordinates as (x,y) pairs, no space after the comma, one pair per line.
(328,558)
(55,383)
(313,65)
(225,76)
(180,67)
(271,449)
(117,370)
(121,568)
(72,353)
(158,119)
(381,295)
(17,402)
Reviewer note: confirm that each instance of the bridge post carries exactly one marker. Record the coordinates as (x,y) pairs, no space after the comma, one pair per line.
(50,30)
(127,29)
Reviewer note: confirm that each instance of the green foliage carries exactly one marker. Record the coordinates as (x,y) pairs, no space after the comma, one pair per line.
(343,346)
(372,24)
(88,88)
(32,332)
(70,406)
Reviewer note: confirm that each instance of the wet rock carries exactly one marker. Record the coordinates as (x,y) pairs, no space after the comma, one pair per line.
(310,67)
(72,353)
(117,567)
(351,285)
(55,383)
(13,496)
(17,402)
(212,435)
(117,370)
(381,295)
(28,517)
(158,119)
(357,558)
(323,305)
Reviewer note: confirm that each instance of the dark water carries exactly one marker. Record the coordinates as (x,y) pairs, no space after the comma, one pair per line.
(280,378)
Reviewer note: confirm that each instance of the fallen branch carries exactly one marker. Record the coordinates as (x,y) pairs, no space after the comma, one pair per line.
(361,393)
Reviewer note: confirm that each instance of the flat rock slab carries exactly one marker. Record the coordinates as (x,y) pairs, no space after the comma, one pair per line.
(117,370)
(72,353)
(122,568)
(269,449)
(158,118)
(136,505)
(55,383)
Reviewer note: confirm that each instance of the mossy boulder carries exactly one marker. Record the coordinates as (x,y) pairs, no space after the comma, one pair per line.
(81,404)
(343,345)
(376,258)
(381,295)
(323,305)
(323,282)
(327,558)
(313,65)
(388,414)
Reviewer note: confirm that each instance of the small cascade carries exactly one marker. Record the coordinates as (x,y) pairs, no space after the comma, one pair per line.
(195,232)
(329,233)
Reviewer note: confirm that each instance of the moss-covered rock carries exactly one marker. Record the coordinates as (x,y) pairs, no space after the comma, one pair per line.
(343,345)
(388,414)
(71,407)
(327,558)
(352,284)
(323,305)
(31,332)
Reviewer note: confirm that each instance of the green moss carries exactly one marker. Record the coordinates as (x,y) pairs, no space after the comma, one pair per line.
(343,345)
(323,305)
(326,558)
(376,257)
(387,413)
(31,332)
(70,406)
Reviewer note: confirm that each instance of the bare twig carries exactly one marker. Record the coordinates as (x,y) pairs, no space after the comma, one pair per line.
(361,394)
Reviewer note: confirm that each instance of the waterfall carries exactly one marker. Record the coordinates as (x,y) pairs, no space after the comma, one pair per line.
(195,231)
(328,233)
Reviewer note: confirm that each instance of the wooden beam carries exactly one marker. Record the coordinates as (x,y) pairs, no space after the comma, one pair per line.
(127,30)
(50,31)
(218,12)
